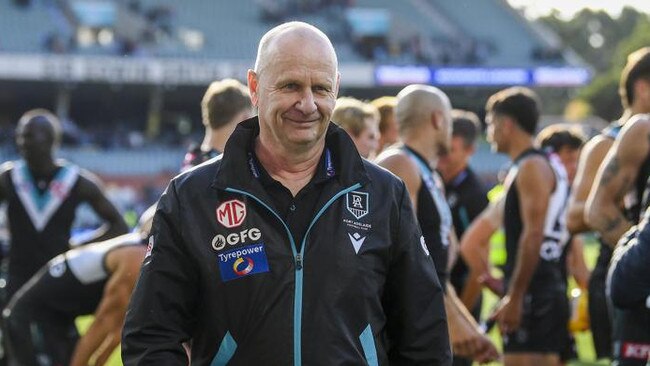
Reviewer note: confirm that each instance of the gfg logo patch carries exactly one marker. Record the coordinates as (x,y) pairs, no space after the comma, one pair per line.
(219,241)
(231,213)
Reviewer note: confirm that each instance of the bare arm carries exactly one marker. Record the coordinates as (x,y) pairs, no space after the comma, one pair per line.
(590,158)
(453,250)
(464,334)
(615,178)
(535,182)
(403,167)
(105,332)
(576,262)
(92,192)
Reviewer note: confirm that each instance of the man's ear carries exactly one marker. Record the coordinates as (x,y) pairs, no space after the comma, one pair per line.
(642,88)
(471,149)
(436,119)
(338,84)
(252,86)
(508,124)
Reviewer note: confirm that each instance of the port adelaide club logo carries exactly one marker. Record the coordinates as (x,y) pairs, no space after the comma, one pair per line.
(357,204)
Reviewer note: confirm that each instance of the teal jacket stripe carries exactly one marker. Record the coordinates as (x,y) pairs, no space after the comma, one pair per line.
(368,345)
(226,350)
(297,305)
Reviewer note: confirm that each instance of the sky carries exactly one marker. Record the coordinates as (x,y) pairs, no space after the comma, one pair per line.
(536,8)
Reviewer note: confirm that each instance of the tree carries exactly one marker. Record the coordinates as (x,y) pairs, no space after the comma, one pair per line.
(604,43)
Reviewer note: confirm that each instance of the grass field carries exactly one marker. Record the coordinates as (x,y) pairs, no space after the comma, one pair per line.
(583,340)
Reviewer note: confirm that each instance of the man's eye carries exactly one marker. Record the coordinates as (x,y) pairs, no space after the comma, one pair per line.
(291,86)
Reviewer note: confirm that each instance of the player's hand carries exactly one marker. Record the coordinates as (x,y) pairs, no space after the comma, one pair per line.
(487,352)
(508,314)
(466,343)
(492,283)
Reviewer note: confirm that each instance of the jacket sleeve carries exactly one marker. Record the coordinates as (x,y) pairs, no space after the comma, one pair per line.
(416,320)
(160,315)
(630,271)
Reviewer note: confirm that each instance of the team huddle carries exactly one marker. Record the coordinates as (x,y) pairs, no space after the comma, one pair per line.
(290,239)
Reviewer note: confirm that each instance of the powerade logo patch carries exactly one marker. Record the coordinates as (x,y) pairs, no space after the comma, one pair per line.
(244,261)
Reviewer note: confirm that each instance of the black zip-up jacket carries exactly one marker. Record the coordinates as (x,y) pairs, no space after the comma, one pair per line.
(225,276)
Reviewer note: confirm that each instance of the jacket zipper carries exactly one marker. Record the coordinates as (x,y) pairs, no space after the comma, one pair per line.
(299,259)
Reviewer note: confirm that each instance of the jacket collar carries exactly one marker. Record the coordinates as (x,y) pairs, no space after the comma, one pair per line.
(238,168)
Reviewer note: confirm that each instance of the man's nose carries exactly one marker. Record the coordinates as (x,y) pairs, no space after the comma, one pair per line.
(306,104)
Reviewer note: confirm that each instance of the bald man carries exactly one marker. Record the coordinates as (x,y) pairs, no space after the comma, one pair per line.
(423,116)
(290,249)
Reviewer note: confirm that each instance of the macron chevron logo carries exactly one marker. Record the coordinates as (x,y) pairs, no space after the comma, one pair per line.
(357,241)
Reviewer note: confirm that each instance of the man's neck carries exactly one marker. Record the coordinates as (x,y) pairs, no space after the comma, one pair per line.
(42,167)
(451,174)
(519,145)
(216,139)
(638,108)
(294,169)
(427,149)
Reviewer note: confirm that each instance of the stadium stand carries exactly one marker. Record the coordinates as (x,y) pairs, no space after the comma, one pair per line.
(501,34)
(38,18)
(198,38)
(439,32)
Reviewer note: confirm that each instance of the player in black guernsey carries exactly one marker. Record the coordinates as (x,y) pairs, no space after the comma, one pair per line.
(591,156)
(625,169)
(466,196)
(42,195)
(623,174)
(466,193)
(225,103)
(532,315)
(634,79)
(423,115)
(97,279)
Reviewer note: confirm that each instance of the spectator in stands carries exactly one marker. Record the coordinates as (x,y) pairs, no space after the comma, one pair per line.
(224,105)
(388,132)
(360,120)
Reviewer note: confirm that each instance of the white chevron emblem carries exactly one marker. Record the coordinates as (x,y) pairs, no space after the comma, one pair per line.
(357,241)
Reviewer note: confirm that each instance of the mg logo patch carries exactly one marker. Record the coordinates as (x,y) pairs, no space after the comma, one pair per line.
(231,213)
(357,204)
